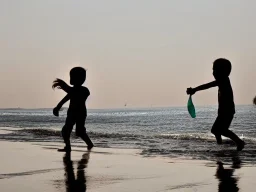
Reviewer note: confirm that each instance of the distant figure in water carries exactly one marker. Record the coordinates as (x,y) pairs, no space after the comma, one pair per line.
(77,111)
(221,71)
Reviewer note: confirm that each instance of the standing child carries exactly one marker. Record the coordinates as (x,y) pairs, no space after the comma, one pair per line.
(221,71)
(77,111)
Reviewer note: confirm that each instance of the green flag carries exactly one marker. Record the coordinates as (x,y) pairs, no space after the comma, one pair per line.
(191,107)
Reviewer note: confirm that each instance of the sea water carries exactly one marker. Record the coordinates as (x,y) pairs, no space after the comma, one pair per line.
(169,132)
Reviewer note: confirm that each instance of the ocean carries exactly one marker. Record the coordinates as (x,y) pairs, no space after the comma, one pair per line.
(165,132)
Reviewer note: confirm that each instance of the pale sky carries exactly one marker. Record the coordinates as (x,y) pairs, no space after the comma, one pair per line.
(142,52)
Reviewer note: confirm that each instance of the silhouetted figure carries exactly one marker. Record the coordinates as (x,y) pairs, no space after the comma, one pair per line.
(254,101)
(78,183)
(227,181)
(221,71)
(77,111)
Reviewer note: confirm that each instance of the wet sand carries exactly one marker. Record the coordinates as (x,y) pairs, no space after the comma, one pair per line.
(27,167)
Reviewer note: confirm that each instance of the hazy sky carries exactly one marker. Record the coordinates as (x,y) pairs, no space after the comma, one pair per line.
(142,52)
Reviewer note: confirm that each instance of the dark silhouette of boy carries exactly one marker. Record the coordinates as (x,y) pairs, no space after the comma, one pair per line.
(77,111)
(221,71)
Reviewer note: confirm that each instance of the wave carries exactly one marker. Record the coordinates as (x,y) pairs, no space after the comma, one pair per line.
(196,137)
(187,145)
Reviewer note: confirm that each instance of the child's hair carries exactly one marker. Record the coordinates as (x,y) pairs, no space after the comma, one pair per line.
(77,75)
(223,66)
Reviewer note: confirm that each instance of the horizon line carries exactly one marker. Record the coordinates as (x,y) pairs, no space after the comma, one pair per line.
(24,108)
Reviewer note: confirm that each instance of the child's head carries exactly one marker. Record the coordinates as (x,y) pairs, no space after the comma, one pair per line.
(77,76)
(221,68)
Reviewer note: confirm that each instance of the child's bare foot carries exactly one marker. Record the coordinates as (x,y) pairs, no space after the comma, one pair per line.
(89,147)
(240,146)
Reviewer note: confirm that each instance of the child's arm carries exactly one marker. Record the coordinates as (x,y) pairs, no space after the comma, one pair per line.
(192,91)
(60,84)
(61,103)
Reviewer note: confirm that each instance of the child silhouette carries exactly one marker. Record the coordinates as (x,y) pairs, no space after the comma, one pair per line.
(77,111)
(221,71)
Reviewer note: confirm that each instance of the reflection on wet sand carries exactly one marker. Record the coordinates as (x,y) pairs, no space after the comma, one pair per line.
(227,180)
(75,183)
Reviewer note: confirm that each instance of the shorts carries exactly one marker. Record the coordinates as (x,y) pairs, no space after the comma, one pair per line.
(71,120)
(222,124)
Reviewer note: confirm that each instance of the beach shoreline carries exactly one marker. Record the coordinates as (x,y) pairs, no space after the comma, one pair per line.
(35,167)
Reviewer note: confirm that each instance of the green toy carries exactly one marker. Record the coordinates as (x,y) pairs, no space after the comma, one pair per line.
(191,107)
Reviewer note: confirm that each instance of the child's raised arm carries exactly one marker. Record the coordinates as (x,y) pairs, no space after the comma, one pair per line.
(60,84)
(60,104)
(192,91)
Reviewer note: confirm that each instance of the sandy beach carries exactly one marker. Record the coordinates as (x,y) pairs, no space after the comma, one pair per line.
(39,167)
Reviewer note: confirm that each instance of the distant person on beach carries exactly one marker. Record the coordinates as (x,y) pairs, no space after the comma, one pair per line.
(221,71)
(77,111)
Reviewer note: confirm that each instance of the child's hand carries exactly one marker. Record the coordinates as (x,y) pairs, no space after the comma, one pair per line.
(60,84)
(191,91)
(56,112)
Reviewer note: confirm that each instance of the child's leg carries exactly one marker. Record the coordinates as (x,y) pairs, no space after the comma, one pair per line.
(87,140)
(240,143)
(66,132)
(225,122)
(66,137)
(81,132)
(218,139)
(216,130)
